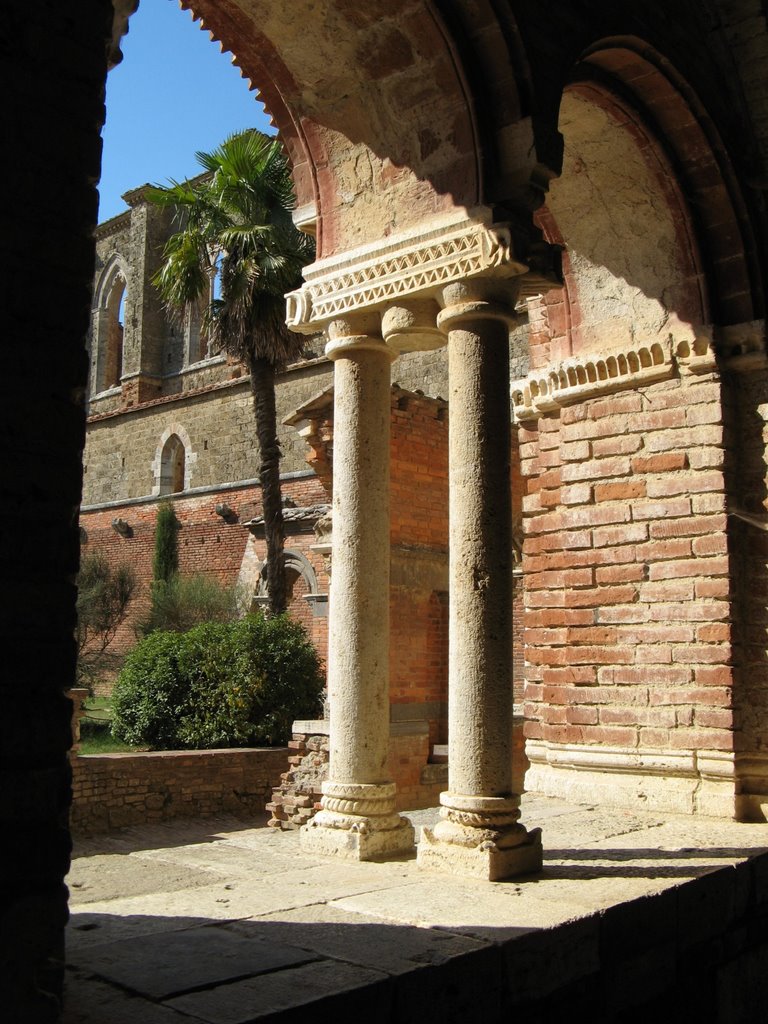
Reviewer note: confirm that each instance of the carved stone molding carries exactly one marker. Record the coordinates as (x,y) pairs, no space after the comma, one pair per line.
(588,376)
(739,348)
(602,373)
(375,276)
(676,781)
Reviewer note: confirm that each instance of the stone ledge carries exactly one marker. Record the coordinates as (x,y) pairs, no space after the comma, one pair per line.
(596,374)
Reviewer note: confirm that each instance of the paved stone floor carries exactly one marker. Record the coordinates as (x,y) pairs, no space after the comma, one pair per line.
(216,922)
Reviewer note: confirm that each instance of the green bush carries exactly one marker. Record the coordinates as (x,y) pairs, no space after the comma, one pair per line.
(182,602)
(231,684)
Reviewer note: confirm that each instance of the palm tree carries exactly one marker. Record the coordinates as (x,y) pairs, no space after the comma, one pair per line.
(235,221)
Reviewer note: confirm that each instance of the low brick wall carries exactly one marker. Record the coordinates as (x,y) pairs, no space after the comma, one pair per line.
(115,790)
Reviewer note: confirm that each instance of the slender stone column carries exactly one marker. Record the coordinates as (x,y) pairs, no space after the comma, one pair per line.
(358,818)
(479,833)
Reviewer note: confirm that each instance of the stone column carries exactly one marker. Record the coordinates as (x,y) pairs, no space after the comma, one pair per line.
(479,834)
(358,818)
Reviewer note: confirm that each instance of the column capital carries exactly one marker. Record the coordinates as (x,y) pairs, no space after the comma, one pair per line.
(359,332)
(410,325)
(478,298)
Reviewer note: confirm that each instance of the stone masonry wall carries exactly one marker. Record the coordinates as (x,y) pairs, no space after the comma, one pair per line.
(627,598)
(218,421)
(116,790)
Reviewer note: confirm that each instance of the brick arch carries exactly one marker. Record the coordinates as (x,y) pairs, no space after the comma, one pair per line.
(389,117)
(702,164)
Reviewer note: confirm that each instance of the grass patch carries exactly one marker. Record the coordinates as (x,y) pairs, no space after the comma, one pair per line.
(104,744)
(96,729)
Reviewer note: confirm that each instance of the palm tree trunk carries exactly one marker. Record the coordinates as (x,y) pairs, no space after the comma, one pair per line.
(263,391)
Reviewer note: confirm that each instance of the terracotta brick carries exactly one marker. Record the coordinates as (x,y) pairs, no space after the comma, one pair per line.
(703,654)
(687,483)
(666,590)
(667,462)
(619,574)
(620,492)
(704,503)
(576,494)
(611,736)
(690,611)
(560,579)
(657,654)
(713,675)
(626,444)
(717,544)
(712,588)
(596,469)
(672,440)
(622,613)
(599,597)
(575,451)
(689,567)
(688,527)
(576,675)
(634,675)
(581,715)
(707,413)
(706,718)
(701,739)
(611,535)
(660,509)
(663,550)
(615,405)
(560,617)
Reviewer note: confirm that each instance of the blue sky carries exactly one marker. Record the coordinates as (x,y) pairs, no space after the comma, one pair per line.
(173,94)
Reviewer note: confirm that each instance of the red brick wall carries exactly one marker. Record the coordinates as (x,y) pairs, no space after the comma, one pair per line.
(207,544)
(419,472)
(419,523)
(627,571)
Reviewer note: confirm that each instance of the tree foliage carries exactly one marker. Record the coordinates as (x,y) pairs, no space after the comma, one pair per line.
(219,685)
(236,221)
(182,602)
(104,594)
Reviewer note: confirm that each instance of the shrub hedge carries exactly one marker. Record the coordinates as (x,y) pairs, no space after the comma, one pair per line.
(232,684)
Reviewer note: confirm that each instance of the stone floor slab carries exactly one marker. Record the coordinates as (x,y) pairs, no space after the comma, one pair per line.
(349,993)
(169,964)
(389,940)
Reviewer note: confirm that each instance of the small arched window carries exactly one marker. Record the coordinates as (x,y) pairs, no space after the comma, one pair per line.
(172,465)
(113,362)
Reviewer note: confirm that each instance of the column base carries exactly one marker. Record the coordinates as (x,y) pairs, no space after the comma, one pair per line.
(487,860)
(357,822)
(481,837)
(350,844)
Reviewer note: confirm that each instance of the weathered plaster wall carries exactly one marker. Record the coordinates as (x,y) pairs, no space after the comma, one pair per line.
(630,269)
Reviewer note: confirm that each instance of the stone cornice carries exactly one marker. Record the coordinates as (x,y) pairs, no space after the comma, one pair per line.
(602,373)
(374,276)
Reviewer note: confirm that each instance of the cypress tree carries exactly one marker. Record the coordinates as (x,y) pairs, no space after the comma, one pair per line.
(165,563)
